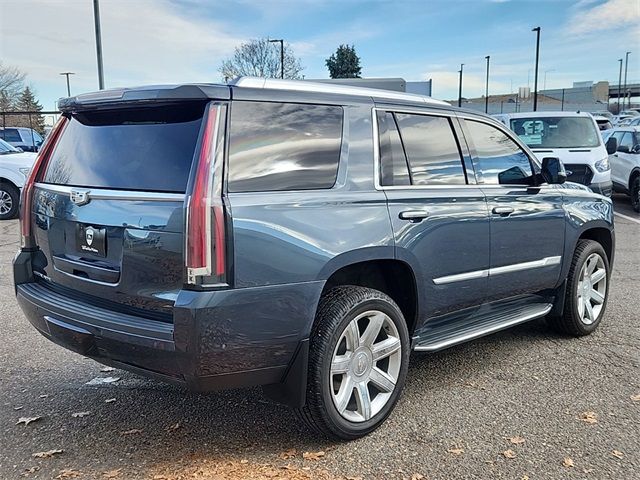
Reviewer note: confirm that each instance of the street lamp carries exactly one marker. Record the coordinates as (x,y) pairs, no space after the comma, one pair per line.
(535,79)
(626,65)
(96,20)
(544,84)
(486,88)
(619,84)
(281,41)
(460,86)
(66,74)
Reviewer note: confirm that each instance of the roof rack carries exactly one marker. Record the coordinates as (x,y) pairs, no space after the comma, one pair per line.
(305,86)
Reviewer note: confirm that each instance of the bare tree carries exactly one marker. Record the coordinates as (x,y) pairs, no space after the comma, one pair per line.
(259,58)
(11,83)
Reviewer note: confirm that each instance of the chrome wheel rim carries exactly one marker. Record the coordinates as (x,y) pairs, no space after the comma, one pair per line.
(365,366)
(592,289)
(6,203)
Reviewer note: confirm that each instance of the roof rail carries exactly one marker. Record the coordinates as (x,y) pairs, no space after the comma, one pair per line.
(305,86)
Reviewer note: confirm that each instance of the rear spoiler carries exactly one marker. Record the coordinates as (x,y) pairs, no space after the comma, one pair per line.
(144,95)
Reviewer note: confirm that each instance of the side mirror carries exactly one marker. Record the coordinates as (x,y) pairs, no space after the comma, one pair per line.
(636,148)
(553,170)
(624,149)
(612,145)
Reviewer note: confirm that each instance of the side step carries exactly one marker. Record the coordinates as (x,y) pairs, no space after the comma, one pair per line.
(459,330)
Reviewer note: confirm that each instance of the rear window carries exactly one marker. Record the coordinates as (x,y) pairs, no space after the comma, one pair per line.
(557,132)
(283,146)
(130,149)
(10,135)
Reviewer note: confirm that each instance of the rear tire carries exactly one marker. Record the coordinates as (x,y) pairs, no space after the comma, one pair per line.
(358,361)
(587,291)
(635,193)
(9,201)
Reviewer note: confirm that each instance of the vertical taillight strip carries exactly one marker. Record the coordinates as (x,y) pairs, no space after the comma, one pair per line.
(205,212)
(39,166)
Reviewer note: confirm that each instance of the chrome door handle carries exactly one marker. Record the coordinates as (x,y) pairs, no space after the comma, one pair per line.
(502,210)
(414,215)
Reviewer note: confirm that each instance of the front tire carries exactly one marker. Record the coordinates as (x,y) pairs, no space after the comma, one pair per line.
(587,291)
(358,361)
(635,193)
(9,201)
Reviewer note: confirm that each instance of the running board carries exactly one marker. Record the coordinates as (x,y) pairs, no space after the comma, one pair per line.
(464,329)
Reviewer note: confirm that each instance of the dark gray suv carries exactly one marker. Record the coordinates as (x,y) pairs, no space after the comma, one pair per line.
(304,237)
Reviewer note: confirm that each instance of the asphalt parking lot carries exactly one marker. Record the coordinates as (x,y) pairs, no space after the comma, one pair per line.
(524,403)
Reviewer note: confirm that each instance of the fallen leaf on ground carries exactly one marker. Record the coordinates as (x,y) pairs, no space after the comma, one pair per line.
(80,414)
(456,451)
(617,454)
(47,454)
(417,476)
(102,380)
(589,417)
(133,431)
(27,420)
(112,473)
(567,462)
(107,369)
(312,455)
(516,440)
(288,454)
(68,473)
(110,400)
(509,453)
(29,471)
(635,398)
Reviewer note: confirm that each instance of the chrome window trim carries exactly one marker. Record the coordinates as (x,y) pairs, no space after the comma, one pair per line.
(109,194)
(515,267)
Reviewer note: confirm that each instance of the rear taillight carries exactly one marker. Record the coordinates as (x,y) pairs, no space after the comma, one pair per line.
(39,166)
(205,243)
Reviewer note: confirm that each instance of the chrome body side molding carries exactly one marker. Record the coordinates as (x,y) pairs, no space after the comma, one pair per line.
(516,267)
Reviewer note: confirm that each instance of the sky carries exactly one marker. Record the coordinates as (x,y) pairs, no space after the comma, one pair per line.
(172,41)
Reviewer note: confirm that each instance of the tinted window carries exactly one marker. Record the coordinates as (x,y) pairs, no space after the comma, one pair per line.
(393,163)
(142,149)
(283,146)
(432,150)
(557,132)
(10,135)
(499,159)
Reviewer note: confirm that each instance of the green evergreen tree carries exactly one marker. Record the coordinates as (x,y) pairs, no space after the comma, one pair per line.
(345,63)
(28,102)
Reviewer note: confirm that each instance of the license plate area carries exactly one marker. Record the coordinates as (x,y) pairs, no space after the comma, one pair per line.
(92,240)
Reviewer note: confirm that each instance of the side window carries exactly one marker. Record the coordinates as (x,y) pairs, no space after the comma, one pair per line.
(500,160)
(432,150)
(283,146)
(393,163)
(11,135)
(626,141)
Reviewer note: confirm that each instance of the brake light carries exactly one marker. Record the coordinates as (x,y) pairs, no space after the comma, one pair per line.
(205,232)
(38,167)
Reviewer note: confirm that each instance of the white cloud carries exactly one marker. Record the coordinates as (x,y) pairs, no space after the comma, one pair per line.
(610,15)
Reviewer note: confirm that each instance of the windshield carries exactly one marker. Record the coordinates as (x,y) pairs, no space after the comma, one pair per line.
(556,132)
(6,148)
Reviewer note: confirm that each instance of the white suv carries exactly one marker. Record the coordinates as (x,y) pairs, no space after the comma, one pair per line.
(15,166)
(625,162)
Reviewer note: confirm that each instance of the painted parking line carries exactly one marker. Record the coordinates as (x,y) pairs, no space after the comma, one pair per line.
(626,217)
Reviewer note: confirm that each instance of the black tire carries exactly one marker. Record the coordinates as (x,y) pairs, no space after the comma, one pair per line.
(336,310)
(635,193)
(9,194)
(571,321)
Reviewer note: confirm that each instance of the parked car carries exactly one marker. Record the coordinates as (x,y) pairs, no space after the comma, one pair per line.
(633,122)
(14,169)
(26,139)
(603,122)
(304,237)
(623,143)
(571,136)
(604,113)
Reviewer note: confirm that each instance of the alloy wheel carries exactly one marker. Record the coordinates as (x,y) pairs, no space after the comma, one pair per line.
(592,289)
(365,366)
(6,202)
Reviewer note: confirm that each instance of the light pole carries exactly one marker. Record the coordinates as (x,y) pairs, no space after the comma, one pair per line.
(486,87)
(619,84)
(66,74)
(544,83)
(281,41)
(626,65)
(96,20)
(460,86)
(535,78)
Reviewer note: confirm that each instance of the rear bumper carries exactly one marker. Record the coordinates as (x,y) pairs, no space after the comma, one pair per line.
(222,339)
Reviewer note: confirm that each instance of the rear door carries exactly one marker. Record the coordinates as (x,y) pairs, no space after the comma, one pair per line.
(108,212)
(527,220)
(623,161)
(439,216)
